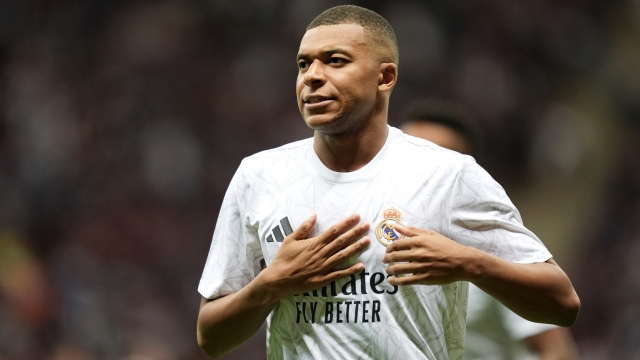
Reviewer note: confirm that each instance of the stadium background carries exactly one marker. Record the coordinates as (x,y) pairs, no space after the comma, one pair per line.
(122,122)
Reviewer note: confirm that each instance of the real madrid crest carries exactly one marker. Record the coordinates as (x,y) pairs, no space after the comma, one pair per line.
(384,231)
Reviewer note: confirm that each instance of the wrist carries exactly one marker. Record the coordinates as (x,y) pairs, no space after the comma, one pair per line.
(474,264)
(265,289)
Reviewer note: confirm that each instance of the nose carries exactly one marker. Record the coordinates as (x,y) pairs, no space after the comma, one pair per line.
(315,75)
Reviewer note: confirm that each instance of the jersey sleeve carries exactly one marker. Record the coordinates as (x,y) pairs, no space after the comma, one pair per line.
(235,253)
(483,217)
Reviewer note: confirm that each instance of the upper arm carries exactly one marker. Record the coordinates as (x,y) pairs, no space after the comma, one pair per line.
(204,301)
(483,217)
(235,246)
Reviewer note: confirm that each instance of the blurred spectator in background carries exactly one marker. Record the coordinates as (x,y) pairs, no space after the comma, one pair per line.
(122,122)
(445,125)
(493,331)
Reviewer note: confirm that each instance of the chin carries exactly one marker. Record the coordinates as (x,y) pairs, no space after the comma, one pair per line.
(321,122)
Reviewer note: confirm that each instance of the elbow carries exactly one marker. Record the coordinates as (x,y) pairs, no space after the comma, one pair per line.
(212,348)
(571,309)
(209,348)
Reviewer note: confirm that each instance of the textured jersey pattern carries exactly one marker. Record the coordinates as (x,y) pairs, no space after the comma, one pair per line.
(363,317)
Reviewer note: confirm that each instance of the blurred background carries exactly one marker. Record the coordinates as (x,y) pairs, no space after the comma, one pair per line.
(122,122)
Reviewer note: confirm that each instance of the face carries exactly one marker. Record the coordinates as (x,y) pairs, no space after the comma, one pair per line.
(338,77)
(438,134)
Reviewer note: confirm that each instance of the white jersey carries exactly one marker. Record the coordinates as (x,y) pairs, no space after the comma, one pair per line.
(410,181)
(495,332)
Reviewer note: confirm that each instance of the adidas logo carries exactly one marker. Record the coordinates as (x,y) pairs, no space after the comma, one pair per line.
(277,233)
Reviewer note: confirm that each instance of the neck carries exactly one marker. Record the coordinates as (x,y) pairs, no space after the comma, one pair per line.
(351,150)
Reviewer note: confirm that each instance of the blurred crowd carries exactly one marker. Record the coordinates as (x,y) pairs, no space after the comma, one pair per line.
(122,122)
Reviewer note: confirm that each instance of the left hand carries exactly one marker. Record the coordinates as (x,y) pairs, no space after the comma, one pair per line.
(425,257)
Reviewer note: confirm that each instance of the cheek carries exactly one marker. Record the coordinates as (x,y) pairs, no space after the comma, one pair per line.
(299,86)
(367,84)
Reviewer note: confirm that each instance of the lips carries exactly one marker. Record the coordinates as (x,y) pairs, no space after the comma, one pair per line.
(313,101)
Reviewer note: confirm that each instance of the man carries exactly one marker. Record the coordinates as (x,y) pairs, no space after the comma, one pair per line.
(311,234)
(493,331)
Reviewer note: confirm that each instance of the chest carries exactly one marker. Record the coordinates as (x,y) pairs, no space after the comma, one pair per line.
(382,201)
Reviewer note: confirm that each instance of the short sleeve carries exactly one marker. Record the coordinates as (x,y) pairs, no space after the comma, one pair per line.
(235,253)
(483,217)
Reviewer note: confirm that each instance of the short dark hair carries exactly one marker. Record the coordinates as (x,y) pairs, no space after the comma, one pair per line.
(372,23)
(451,116)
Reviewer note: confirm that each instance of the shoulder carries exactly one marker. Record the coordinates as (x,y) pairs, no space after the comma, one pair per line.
(277,160)
(268,157)
(430,155)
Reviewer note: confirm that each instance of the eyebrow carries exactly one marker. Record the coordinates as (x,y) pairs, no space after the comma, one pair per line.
(302,56)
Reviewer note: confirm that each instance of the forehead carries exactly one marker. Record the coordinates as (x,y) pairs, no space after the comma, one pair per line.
(327,37)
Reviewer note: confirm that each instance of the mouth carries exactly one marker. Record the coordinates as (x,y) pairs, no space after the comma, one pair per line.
(314,99)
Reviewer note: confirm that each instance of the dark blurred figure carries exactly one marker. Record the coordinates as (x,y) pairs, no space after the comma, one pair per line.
(493,331)
(443,124)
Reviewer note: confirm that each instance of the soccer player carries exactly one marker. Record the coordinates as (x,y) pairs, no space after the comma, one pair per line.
(358,242)
(493,331)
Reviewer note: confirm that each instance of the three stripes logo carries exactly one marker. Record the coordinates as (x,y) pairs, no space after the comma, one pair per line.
(278,233)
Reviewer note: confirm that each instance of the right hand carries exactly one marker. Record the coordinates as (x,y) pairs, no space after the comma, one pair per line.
(302,265)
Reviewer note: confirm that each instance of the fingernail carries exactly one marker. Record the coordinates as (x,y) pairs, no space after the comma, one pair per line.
(360,266)
(313,216)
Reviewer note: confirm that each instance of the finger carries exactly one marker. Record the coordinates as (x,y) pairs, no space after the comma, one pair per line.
(345,239)
(397,256)
(410,231)
(303,231)
(407,268)
(420,279)
(338,228)
(406,280)
(346,253)
(400,245)
(339,274)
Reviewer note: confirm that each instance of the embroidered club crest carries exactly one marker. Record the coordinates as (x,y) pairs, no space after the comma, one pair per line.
(384,231)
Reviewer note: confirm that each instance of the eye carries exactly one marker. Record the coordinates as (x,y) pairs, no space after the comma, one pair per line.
(337,60)
(302,64)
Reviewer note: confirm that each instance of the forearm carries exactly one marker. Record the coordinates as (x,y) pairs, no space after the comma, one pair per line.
(301,264)
(555,344)
(539,292)
(227,322)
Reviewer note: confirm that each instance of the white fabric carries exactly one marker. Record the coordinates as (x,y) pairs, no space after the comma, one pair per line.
(432,187)
(495,332)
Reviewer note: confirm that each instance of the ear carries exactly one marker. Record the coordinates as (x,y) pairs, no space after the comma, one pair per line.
(388,77)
